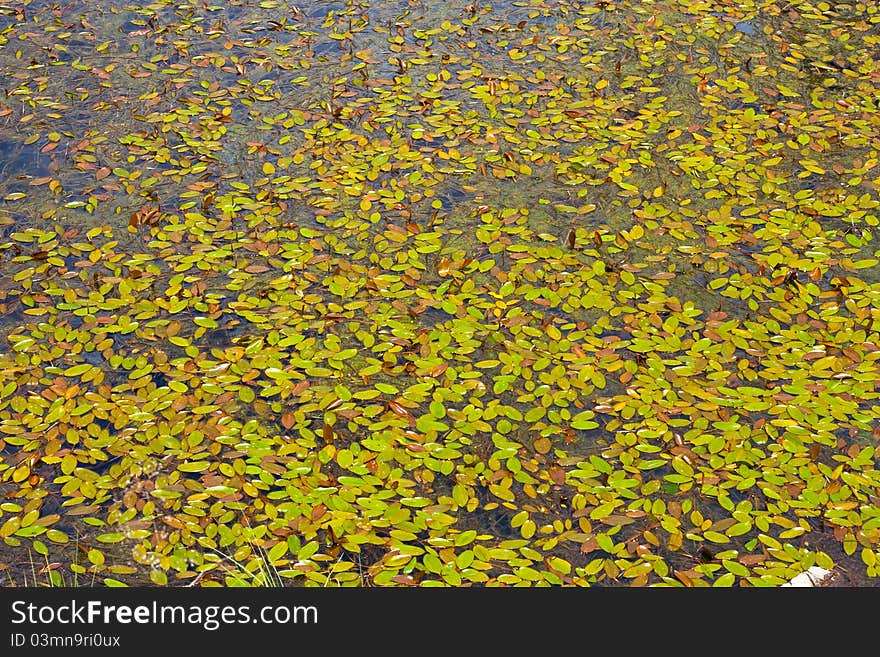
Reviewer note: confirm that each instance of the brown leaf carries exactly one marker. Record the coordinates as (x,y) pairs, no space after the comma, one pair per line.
(589,545)
(557,474)
(398,409)
(683,578)
(853,355)
(542,445)
(752,559)
(55,565)
(299,387)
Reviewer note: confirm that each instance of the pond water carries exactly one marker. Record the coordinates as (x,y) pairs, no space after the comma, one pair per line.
(521,293)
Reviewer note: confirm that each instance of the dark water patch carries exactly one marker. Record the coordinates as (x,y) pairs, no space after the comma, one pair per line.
(221,337)
(320,10)
(694,287)
(327,48)
(497,520)
(98,466)
(434,317)
(448,202)
(233,11)
(736,104)
(22,161)
(591,441)
(92,357)
(454,196)
(746,27)
(7,18)
(12,318)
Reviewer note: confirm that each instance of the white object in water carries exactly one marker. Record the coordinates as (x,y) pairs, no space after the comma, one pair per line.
(814,576)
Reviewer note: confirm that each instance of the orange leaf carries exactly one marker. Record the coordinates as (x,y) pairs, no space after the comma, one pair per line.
(398,409)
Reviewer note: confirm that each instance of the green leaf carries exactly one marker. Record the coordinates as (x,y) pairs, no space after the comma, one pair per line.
(194,466)
(277,551)
(114,583)
(76,370)
(726,580)
(112,537)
